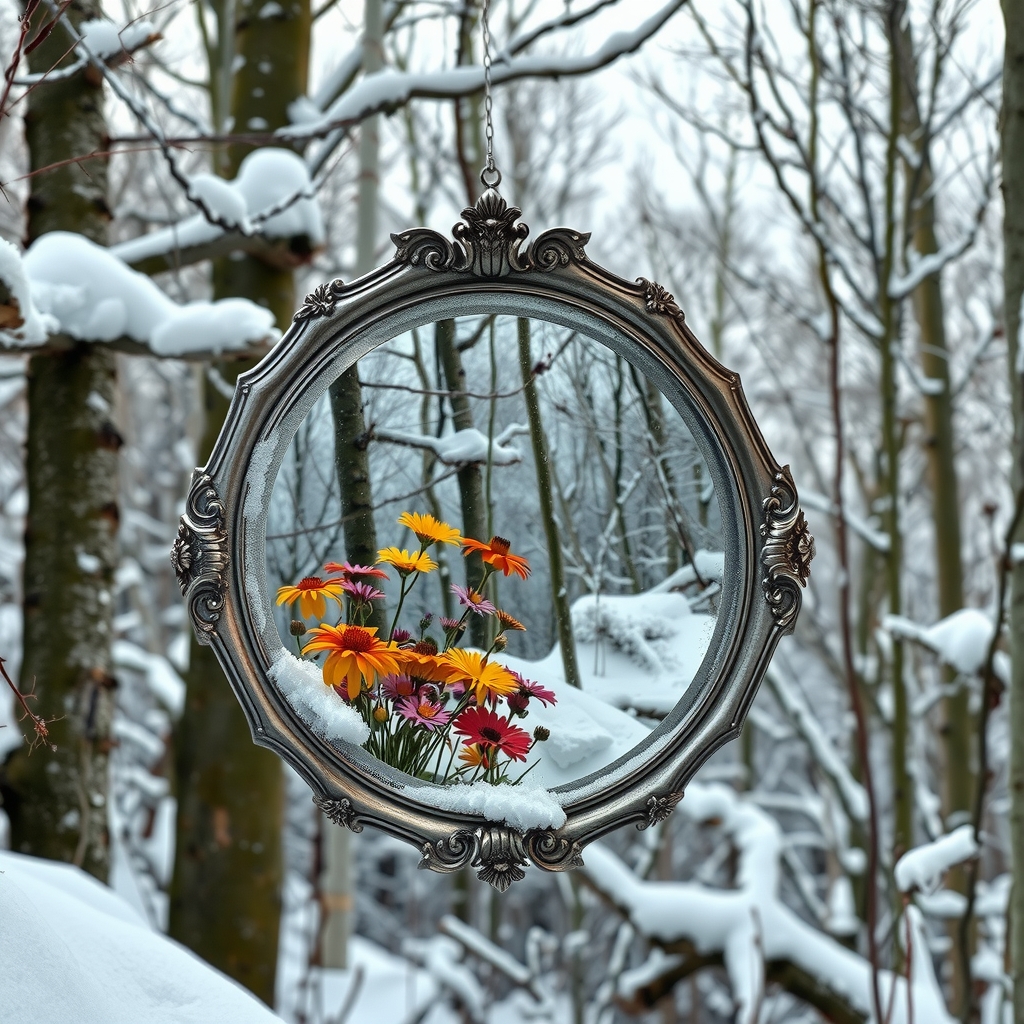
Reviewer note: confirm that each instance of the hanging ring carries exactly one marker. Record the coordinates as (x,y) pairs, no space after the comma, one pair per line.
(491,177)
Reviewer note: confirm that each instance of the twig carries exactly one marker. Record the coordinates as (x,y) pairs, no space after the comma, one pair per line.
(39,724)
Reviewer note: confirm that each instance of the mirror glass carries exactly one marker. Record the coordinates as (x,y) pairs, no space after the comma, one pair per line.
(495,553)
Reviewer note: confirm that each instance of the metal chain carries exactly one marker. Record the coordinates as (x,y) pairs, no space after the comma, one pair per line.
(490,175)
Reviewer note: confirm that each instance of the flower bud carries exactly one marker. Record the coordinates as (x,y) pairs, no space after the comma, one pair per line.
(297,628)
(426,621)
(500,642)
(380,714)
(540,734)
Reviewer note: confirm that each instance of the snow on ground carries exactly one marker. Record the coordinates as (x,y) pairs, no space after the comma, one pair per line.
(73,952)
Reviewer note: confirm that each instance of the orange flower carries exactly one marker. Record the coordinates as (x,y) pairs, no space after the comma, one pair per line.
(474,755)
(405,563)
(311,593)
(509,621)
(429,530)
(486,679)
(356,656)
(497,553)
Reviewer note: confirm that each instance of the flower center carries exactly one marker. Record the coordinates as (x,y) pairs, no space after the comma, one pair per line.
(427,710)
(356,639)
(491,735)
(500,545)
(311,583)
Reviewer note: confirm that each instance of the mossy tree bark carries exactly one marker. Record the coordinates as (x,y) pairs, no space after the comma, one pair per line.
(1013,280)
(559,592)
(56,801)
(226,890)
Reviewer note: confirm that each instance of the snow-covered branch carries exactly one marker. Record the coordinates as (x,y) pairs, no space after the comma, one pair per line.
(753,933)
(464,447)
(67,285)
(922,868)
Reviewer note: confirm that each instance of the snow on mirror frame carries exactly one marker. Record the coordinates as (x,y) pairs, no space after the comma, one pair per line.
(486,268)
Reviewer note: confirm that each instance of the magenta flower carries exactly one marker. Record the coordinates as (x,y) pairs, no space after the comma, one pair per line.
(423,712)
(362,593)
(472,600)
(350,571)
(397,687)
(449,624)
(401,635)
(528,688)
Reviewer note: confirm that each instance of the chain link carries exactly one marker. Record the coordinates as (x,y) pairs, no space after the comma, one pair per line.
(490,175)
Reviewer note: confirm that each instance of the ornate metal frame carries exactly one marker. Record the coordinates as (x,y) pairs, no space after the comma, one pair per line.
(219,554)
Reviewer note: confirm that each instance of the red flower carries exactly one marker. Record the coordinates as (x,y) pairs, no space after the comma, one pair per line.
(484,727)
(354,572)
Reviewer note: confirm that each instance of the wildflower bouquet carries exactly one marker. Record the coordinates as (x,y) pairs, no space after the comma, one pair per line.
(435,710)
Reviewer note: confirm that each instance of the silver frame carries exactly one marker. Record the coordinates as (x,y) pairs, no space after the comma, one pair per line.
(219,554)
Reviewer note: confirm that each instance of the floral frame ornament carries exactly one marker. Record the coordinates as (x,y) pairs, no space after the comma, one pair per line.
(486,266)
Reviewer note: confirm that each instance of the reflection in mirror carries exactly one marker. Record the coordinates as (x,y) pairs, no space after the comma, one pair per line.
(517,576)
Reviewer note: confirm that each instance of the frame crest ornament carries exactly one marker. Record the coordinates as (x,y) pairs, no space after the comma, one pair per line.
(486,266)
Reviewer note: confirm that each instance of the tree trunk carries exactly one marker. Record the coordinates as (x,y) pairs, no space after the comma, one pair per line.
(226,890)
(559,593)
(471,482)
(1013,271)
(57,802)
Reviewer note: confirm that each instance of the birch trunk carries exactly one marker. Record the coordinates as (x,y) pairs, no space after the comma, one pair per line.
(57,801)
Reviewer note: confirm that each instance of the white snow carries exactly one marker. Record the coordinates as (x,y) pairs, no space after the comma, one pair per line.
(923,867)
(102,39)
(83,290)
(524,806)
(34,326)
(73,952)
(268,180)
(710,565)
(750,924)
(302,683)
(461,447)
(960,640)
(163,681)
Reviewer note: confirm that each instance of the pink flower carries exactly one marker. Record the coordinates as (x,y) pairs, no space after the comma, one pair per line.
(362,593)
(397,687)
(449,624)
(349,571)
(472,600)
(528,688)
(423,712)
(401,635)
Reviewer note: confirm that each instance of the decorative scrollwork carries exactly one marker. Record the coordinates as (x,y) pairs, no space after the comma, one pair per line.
(500,856)
(660,300)
(488,242)
(448,854)
(553,853)
(659,808)
(787,552)
(340,811)
(320,301)
(199,556)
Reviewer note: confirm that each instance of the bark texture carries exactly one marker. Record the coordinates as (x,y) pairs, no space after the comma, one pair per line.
(1013,271)
(57,801)
(226,890)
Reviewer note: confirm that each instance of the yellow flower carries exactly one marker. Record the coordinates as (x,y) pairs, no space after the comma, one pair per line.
(486,679)
(405,563)
(429,530)
(356,656)
(310,594)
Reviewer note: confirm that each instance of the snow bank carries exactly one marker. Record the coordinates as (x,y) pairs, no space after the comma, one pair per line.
(73,952)
(960,640)
(271,196)
(318,705)
(923,867)
(524,806)
(85,291)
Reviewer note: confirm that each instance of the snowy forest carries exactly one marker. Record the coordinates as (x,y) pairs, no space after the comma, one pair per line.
(833,192)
